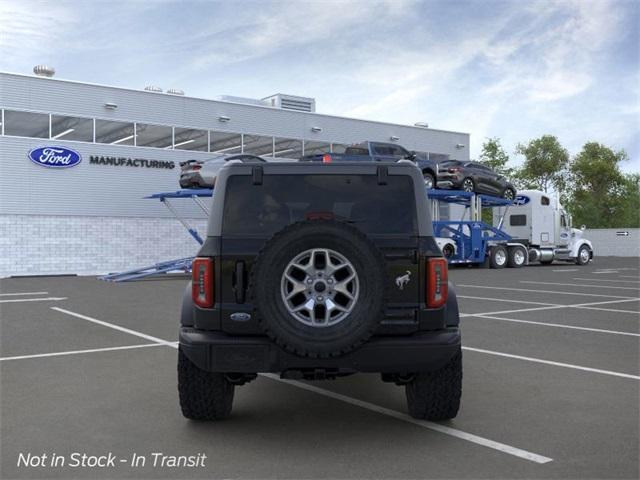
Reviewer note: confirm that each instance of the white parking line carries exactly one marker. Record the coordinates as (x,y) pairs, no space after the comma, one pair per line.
(551,306)
(508,301)
(605,280)
(628,276)
(23,293)
(115,327)
(558,325)
(567,270)
(605,272)
(469,437)
(614,310)
(555,364)
(530,290)
(581,285)
(48,299)
(76,352)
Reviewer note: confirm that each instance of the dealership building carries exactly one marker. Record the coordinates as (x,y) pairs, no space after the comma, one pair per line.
(91,217)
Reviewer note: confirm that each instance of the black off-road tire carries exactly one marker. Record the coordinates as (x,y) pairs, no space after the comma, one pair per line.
(436,395)
(494,256)
(203,395)
(290,333)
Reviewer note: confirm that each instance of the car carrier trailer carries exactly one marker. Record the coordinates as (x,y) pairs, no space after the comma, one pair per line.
(532,228)
(470,240)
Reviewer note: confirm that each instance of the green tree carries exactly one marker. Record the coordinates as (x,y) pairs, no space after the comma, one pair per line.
(600,195)
(545,163)
(495,157)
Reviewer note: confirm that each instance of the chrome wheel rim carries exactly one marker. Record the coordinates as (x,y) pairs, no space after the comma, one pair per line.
(584,255)
(467,185)
(428,182)
(518,256)
(508,194)
(319,287)
(500,257)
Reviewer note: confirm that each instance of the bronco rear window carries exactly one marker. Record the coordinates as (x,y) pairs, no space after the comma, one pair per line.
(262,210)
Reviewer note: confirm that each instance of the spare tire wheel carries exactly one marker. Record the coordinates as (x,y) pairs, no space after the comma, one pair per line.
(318,288)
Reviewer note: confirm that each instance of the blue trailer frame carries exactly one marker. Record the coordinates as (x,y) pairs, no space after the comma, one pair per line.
(176,265)
(473,238)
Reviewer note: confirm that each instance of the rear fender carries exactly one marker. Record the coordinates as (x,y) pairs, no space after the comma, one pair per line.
(452,315)
(186,313)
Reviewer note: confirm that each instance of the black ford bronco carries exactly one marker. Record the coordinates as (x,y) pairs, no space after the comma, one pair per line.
(317,271)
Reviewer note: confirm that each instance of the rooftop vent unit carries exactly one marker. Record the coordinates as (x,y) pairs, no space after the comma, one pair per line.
(175,91)
(291,102)
(153,88)
(44,71)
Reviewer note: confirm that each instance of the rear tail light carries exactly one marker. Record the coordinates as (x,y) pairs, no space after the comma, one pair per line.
(326,158)
(437,282)
(202,282)
(196,167)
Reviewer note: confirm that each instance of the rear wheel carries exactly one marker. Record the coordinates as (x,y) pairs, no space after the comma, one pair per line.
(498,257)
(517,257)
(203,395)
(468,185)
(508,194)
(448,251)
(429,180)
(436,395)
(319,288)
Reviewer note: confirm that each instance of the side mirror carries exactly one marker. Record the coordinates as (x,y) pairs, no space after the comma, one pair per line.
(411,156)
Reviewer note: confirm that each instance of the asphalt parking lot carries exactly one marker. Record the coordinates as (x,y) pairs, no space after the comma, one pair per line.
(551,376)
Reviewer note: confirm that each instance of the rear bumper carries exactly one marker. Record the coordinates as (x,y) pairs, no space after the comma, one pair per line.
(217,352)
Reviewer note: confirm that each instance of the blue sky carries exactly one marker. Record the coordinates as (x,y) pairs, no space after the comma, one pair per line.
(514,70)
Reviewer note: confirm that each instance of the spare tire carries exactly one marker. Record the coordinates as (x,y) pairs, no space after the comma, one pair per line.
(318,288)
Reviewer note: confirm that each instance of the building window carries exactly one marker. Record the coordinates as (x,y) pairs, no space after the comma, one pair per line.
(225,142)
(71,128)
(338,148)
(157,136)
(258,145)
(26,124)
(190,139)
(316,148)
(114,133)
(287,148)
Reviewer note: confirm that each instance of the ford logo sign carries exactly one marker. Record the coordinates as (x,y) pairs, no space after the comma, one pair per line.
(521,200)
(55,157)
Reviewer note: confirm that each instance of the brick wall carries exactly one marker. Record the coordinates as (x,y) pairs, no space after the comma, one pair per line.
(41,245)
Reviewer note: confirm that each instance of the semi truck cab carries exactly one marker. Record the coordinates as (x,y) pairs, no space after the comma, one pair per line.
(542,224)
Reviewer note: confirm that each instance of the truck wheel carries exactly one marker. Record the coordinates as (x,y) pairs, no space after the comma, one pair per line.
(319,288)
(517,257)
(448,251)
(429,180)
(498,256)
(436,395)
(584,255)
(203,395)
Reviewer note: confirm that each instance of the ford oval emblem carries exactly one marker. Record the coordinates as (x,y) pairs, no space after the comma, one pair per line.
(521,200)
(55,157)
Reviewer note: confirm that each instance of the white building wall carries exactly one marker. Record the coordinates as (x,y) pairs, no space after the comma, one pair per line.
(613,241)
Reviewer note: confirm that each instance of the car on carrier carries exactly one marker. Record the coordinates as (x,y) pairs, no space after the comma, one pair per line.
(203,173)
(381,152)
(474,177)
(314,271)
